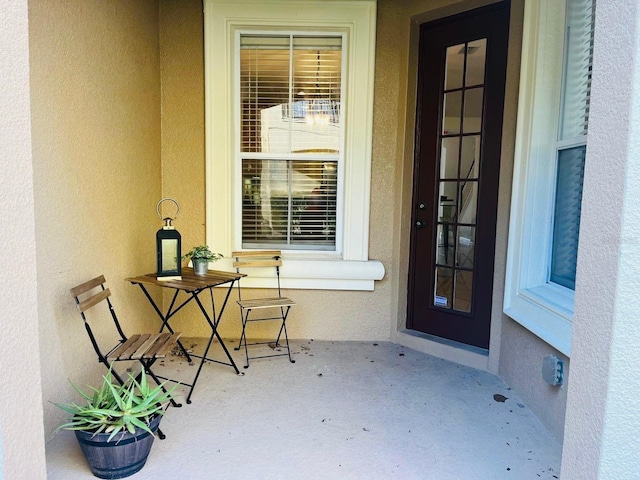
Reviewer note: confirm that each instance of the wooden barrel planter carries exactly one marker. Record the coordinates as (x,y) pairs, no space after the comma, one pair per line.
(125,454)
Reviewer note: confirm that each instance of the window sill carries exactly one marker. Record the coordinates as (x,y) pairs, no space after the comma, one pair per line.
(314,274)
(544,310)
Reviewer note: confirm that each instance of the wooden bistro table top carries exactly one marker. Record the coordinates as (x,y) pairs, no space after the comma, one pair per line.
(190,281)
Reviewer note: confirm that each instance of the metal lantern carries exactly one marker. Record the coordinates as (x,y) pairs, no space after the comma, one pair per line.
(168,246)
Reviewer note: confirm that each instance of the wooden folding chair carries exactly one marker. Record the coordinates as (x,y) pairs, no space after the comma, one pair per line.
(145,348)
(280,305)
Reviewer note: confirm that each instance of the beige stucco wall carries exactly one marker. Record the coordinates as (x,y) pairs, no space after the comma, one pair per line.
(182,74)
(603,405)
(325,314)
(521,358)
(95,93)
(21,432)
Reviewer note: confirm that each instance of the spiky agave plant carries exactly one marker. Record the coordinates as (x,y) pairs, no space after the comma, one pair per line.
(115,408)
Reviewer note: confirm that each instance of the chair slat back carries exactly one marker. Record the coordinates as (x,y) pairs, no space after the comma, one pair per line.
(90,300)
(86,286)
(257,263)
(256,253)
(258,259)
(94,300)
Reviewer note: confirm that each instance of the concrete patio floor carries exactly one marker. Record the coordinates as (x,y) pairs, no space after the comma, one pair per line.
(344,410)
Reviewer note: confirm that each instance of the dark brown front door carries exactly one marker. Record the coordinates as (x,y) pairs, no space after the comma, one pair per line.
(461,81)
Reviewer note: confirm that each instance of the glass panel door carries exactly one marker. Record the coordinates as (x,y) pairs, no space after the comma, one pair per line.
(459,116)
(457,201)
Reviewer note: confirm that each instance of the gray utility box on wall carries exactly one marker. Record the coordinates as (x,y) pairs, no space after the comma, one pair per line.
(553,370)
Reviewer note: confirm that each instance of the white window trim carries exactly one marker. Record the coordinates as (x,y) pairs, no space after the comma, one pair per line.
(543,308)
(350,269)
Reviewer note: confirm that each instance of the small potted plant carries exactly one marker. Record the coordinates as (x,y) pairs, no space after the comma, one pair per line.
(200,257)
(116,426)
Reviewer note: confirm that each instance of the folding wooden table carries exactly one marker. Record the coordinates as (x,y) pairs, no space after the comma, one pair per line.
(192,285)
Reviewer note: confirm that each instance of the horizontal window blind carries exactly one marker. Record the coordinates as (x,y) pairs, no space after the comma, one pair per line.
(290,92)
(574,117)
(289,203)
(574,120)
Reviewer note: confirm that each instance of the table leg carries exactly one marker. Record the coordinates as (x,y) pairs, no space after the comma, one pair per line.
(214,334)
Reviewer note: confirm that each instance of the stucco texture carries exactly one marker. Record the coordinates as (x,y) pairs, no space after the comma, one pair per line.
(21,430)
(322,314)
(182,79)
(521,358)
(95,93)
(603,403)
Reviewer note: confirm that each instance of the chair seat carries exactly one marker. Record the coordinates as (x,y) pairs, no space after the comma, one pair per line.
(144,346)
(266,303)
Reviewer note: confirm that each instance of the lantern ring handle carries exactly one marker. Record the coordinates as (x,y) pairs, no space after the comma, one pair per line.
(164,200)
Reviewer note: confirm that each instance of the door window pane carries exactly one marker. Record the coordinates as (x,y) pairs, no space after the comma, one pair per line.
(465,246)
(445,245)
(449,154)
(452,112)
(462,291)
(447,204)
(473,110)
(454,66)
(476,53)
(468,202)
(470,158)
(444,287)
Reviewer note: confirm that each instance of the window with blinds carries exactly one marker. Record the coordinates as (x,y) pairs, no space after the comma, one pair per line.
(572,140)
(290,140)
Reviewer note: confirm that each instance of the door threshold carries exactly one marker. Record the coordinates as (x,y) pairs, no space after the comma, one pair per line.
(446,349)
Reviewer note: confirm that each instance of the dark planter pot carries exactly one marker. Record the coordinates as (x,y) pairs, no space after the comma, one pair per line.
(124,455)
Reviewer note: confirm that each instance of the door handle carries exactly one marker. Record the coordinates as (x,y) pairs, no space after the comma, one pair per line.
(420,224)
